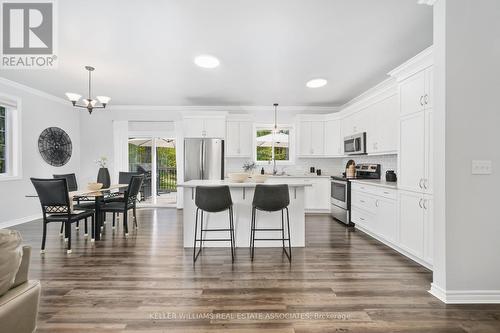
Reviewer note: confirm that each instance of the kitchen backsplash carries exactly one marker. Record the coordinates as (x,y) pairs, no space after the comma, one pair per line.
(328,166)
(387,162)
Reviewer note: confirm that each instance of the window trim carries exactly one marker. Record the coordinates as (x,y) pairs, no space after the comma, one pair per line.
(13,142)
(291,147)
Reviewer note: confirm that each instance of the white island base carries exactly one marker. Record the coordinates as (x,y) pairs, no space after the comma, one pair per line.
(242,195)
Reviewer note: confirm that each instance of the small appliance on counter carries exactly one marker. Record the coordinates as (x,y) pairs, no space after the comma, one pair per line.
(312,169)
(390,176)
(350,169)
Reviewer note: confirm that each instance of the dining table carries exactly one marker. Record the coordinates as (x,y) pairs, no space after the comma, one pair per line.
(95,196)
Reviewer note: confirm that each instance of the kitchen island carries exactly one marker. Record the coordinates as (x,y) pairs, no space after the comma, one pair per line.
(242,195)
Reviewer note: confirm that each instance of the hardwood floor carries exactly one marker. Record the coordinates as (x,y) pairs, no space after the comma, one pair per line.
(139,284)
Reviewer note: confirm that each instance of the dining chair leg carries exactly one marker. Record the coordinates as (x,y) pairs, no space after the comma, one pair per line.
(61,231)
(68,236)
(44,237)
(135,218)
(114,219)
(125,222)
(92,227)
(86,228)
(77,225)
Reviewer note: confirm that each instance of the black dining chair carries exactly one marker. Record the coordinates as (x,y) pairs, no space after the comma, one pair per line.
(123,178)
(73,186)
(271,198)
(56,207)
(128,203)
(213,199)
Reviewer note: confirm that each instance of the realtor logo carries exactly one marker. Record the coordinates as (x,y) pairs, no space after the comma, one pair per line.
(28,32)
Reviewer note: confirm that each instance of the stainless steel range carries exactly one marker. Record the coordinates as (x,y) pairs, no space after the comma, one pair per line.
(340,195)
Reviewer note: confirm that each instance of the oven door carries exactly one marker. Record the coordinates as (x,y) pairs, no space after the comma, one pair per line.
(339,193)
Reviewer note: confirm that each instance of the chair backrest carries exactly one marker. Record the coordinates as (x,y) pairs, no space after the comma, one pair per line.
(125,177)
(53,194)
(271,198)
(70,180)
(133,188)
(213,198)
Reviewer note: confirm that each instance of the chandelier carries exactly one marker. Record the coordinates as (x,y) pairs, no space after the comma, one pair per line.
(89,103)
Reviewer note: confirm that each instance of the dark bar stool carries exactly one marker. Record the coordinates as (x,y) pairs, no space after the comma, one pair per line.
(213,199)
(271,198)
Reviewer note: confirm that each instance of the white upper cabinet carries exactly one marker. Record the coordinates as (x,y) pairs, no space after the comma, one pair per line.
(416,141)
(383,126)
(204,127)
(239,139)
(333,139)
(416,92)
(311,138)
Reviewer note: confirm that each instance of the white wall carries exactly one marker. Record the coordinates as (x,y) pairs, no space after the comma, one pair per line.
(38,112)
(468,83)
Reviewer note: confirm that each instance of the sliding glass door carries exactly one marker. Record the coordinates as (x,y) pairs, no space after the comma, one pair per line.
(155,158)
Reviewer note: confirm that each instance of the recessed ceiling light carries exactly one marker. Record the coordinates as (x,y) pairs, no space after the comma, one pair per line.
(206,61)
(316,83)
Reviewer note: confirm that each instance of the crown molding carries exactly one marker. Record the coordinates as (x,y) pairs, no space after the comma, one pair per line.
(416,64)
(224,108)
(33,91)
(427,2)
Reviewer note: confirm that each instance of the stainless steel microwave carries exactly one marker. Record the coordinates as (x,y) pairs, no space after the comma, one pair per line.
(355,144)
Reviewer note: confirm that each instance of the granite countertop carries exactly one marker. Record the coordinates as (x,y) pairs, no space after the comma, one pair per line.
(247,184)
(377,182)
(305,175)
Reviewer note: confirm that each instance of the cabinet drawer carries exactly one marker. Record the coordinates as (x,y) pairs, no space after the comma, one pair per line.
(363,201)
(375,190)
(360,218)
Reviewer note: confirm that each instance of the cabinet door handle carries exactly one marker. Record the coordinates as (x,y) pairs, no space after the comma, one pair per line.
(425,183)
(362,201)
(426,99)
(420,183)
(376,203)
(420,203)
(422,100)
(362,219)
(424,202)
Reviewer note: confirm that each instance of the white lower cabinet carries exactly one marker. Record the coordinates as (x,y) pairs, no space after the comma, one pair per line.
(400,219)
(416,224)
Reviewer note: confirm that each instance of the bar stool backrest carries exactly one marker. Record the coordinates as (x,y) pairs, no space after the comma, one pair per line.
(271,198)
(70,180)
(213,199)
(53,194)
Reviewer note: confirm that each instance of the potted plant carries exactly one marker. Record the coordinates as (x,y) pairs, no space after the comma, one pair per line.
(103,174)
(249,167)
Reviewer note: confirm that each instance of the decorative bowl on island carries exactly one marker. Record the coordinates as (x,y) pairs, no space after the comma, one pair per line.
(239,177)
(94,186)
(258,178)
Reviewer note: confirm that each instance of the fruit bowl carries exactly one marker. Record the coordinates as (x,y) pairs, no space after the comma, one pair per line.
(238,177)
(94,186)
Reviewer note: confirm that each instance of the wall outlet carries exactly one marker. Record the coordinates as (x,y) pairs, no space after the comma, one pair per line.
(481,167)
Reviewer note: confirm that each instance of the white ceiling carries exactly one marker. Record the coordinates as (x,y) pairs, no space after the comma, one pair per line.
(143,50)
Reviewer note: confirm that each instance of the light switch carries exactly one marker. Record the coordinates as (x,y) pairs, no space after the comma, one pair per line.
(481,167)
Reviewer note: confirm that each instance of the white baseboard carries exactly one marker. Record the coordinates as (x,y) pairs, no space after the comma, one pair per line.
(317,211)
(18,221)
(465,296)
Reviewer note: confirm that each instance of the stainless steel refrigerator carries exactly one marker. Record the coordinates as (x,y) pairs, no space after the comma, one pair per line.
(203,159)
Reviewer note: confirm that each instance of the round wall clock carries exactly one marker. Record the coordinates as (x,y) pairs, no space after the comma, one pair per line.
(55,146)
